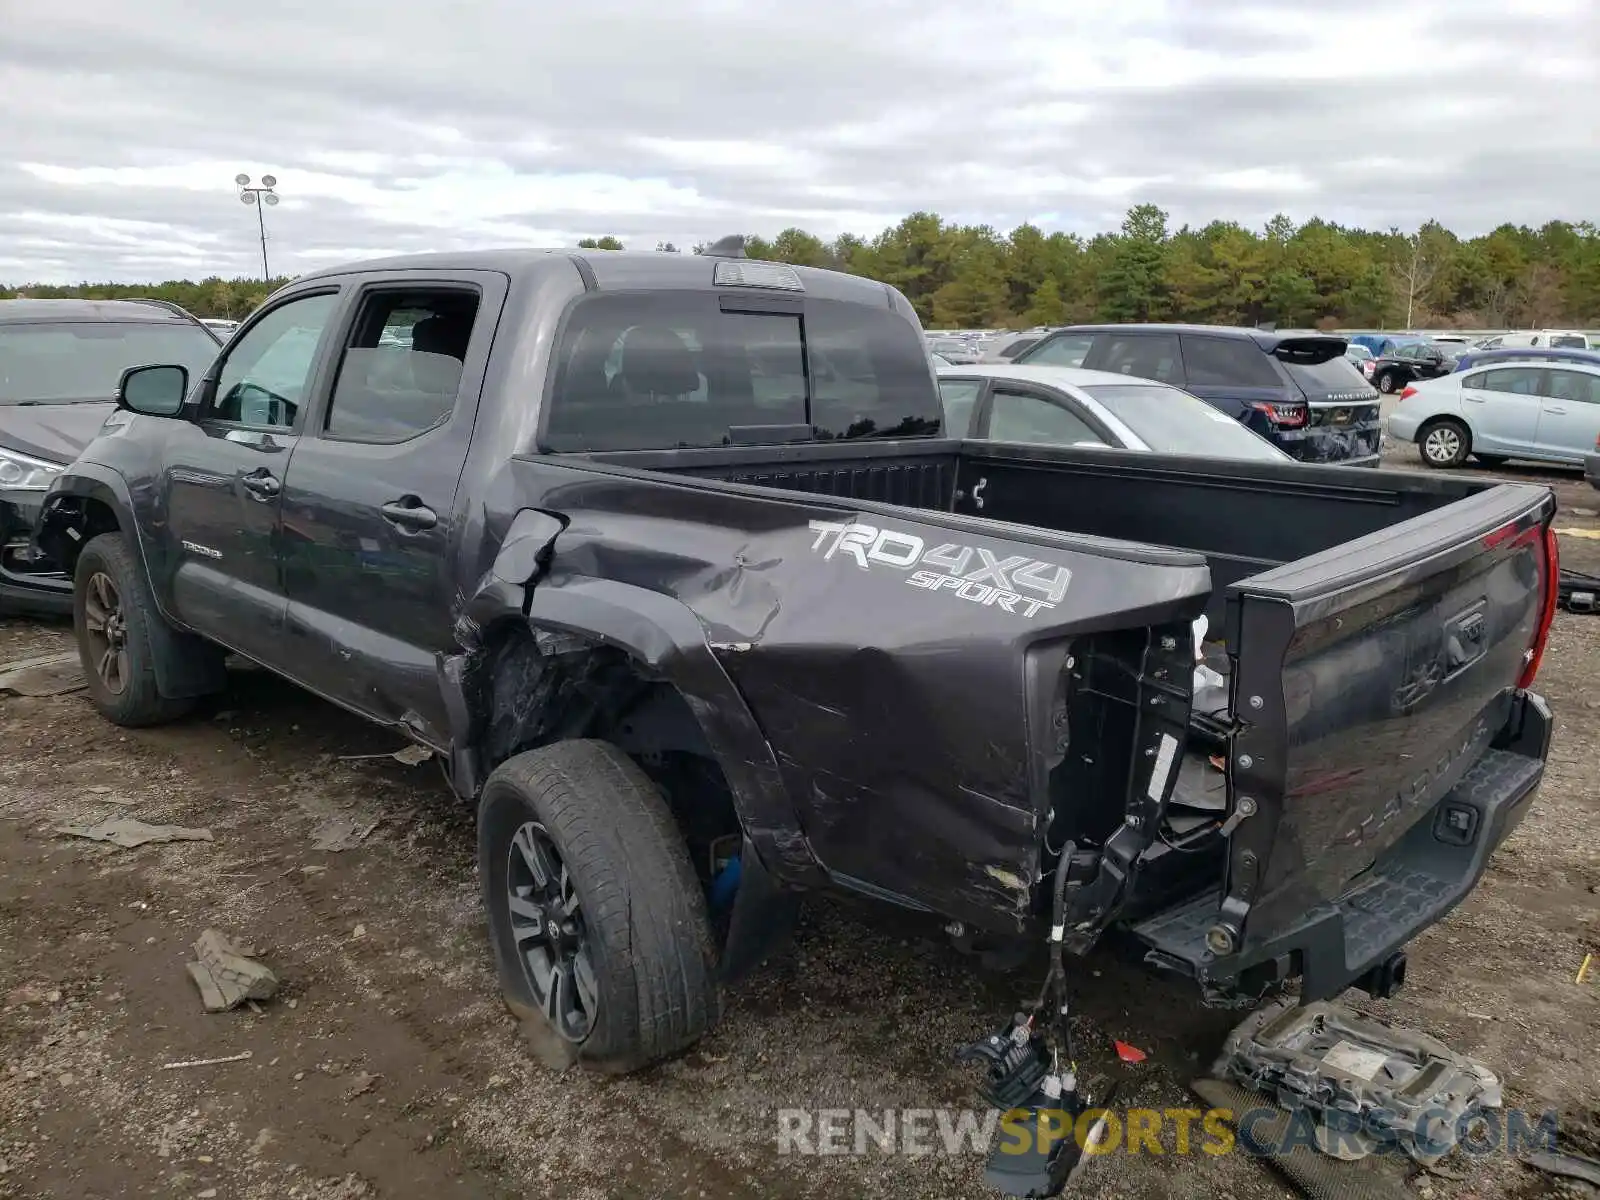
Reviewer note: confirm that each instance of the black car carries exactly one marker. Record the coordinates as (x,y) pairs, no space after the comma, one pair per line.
(1294,388)
(1413,361)
(59,365)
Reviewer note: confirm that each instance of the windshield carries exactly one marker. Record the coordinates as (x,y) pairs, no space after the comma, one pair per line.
(68,363)
(1170,421)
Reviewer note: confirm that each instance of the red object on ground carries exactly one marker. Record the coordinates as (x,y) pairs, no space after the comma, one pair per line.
(1129,1054)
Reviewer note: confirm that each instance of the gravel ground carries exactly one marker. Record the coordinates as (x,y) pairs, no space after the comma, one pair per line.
(386,1066)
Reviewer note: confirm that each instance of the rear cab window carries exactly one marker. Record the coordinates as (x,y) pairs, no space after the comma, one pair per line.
(670,369)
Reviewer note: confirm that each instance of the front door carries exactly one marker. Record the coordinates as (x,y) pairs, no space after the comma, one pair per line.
(224,476)
(1502,407)
(369,503)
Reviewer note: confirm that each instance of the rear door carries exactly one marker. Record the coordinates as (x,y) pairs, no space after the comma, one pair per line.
(1569,414)
(1502,405)
(369,505)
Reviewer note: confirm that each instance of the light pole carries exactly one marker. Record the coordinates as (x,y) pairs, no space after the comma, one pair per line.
(259,196)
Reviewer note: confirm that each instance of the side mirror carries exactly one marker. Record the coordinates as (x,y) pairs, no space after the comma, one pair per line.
(155,391)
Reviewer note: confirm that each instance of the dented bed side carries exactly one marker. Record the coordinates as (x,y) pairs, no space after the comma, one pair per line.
(877,681)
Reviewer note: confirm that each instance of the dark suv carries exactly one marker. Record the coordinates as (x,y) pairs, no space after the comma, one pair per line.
(59,365)
(1294,388)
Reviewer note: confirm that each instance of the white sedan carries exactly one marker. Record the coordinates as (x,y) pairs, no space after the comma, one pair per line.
(1545,411)
(1068,406)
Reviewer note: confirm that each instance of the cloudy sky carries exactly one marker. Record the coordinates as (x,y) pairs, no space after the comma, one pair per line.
(394,125)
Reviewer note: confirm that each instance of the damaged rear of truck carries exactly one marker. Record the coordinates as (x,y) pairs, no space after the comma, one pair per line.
(707,613)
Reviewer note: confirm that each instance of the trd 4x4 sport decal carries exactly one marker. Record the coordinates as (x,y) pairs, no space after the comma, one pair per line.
(1015,583)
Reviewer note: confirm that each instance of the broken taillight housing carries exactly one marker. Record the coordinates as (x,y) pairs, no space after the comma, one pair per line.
(1550,580)
(1285,416)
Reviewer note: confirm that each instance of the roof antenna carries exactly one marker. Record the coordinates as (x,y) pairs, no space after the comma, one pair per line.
(731,246)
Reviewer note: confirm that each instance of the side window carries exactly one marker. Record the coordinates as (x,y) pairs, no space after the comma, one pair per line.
(1016,417)
(1475,382)
(1063,350)
(1146,355)
(1226,362)
(265,374)
(1521,381)
(401,370)
(959,395)
(1577,386)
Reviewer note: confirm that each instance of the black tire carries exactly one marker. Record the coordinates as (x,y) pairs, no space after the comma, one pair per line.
(1444,442)
(130,698)
(1492,461)
(638,912)
(1387,383)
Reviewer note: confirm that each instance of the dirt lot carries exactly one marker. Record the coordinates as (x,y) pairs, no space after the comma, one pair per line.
(386,1067)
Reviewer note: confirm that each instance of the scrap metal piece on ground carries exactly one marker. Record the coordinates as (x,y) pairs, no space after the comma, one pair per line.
(227,974)
(1367,1084)
(1305,1166)
(128,833)
(1573,1166)
(408,756)
(342,833)
(43,675)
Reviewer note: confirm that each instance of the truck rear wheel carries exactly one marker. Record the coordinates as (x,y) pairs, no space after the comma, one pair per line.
(112,617)
(597,920)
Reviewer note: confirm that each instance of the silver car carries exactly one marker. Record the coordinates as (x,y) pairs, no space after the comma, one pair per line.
(1545,411)
(1068,406)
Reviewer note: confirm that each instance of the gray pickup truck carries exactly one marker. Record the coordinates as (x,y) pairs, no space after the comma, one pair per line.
(669,560)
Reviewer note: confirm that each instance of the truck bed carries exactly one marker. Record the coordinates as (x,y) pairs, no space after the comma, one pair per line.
(1374,627)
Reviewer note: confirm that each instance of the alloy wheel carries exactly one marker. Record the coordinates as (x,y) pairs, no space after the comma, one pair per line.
(107,631)
(548,930)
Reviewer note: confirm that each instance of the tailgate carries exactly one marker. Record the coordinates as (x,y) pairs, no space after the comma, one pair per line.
(1367,680)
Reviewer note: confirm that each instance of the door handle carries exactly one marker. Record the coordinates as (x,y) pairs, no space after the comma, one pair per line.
(409,512)
(1473,399)
(1551,408)
(262,484)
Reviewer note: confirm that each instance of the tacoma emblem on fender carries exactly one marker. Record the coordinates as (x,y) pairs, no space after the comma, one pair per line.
(1016,583)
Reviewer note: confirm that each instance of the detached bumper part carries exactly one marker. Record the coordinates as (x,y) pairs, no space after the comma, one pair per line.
(1366,1084)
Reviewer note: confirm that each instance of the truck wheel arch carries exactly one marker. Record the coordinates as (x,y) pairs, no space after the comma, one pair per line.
(90,504)
(518,628)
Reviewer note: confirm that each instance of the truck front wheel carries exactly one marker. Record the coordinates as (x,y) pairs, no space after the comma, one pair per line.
(114,618)
(597,919)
